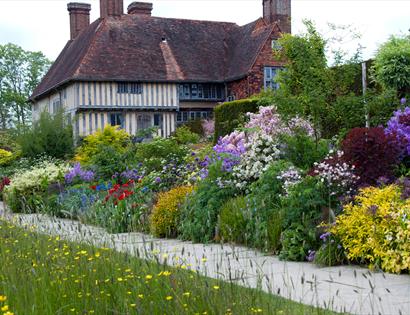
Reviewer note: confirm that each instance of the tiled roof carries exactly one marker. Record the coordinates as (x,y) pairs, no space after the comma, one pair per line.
(145,48)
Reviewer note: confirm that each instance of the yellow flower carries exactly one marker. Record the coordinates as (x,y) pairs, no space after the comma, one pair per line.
(8,313)
(141,296)
(5,308)
(120,279)
(3,298)
(148,277)
(169,298)
(216,287)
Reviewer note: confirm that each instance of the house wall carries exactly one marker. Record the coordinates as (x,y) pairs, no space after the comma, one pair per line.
(105,94)
(91,103)
(253,83)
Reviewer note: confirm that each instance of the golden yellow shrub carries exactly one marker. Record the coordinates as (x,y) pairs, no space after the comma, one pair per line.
(375,229)
(165,215)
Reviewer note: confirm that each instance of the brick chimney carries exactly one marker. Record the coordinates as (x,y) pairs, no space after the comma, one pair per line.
(79,17)
(109,8)
(278,11)
(142,8)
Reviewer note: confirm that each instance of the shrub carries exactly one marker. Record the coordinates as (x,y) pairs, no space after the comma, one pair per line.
(392,64)
(32,190)
(200,212)
(5,157)
(375,229)
(94,144)
(297,241)
(108,161)
(195,126)
(159,151)
(166,213)
(183,135)
(231,115)
(233,221)
(265,220)
(51,135)
(302,150)
(373,154)
(399,127)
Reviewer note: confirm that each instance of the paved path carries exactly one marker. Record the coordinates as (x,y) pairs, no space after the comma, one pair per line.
(346,289)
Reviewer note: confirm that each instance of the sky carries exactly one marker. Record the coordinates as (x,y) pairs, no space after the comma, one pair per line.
(43,25)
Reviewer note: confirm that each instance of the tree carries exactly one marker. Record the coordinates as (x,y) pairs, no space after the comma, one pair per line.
(20,72)
(392,64)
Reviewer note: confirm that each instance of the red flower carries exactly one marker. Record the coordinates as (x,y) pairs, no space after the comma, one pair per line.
(94,187)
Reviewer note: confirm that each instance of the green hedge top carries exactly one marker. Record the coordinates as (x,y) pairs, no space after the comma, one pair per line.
(230,115)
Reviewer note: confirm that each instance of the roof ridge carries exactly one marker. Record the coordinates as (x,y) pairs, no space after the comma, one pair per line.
(194,20)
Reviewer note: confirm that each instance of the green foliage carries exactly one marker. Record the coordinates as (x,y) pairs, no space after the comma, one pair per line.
(297,241)
(153,154)
(107,161)
(195,126)
(232,220)
(200,212)
(392,64)
(93,144)
(302,151)
(306,202)
(331,253)
(183,135)
(51,135)
(20,72)
(231,115)
(165,216)
(265,220)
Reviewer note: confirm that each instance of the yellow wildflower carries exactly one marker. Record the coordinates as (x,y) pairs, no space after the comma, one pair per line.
(3,298)
(169,298)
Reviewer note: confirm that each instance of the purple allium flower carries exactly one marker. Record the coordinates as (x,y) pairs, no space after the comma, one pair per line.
(399,127)
(403,101)
(158,180)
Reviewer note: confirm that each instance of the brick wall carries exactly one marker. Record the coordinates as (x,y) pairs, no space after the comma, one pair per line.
(253,82)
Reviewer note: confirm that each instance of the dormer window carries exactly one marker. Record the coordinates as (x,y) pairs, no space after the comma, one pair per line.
(270,74)
(131,88)
(276,45)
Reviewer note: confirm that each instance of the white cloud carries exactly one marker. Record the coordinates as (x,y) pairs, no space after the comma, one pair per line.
(44,25)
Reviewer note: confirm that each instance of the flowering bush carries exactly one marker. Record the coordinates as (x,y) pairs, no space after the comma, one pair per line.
(372,153)
(290,178)
(375,229)
(93,144)
(337,175)
(6,157)
(166,212)
(5,181)
(28,187)
(399,127)
(78,174)
(208,125)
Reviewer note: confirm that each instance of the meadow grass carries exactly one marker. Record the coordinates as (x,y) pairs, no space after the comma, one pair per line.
(44,275)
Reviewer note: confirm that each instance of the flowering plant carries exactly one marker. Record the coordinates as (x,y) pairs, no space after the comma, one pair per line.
(290,178)
(77,174)
(336,174)
(399,127)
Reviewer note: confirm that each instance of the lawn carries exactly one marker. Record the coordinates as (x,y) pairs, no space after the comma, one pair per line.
(45,275)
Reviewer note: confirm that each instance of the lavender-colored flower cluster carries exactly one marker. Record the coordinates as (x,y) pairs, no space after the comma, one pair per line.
(399,126)
(290,178)
(78,173)
(336,174)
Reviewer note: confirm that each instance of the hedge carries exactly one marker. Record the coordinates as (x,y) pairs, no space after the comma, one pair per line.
(229,116)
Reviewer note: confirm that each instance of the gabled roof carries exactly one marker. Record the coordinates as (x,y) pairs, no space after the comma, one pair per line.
(145,48)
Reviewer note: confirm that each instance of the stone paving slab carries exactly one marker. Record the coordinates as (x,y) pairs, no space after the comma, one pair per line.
(349,289)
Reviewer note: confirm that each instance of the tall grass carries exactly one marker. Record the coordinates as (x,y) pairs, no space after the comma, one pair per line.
(44,275)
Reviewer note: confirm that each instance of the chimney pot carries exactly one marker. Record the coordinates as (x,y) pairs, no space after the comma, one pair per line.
(79,17)
(141,8)
(278,11)
(110,8)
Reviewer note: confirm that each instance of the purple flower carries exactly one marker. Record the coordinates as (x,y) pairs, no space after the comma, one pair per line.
(324,236)
(403,101)
(78,173)
(311,255)
(158,180)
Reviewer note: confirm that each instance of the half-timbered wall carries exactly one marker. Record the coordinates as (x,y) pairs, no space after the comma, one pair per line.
(101,94)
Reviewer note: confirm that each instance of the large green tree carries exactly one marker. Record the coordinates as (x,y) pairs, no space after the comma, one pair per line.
(20,72)
(392,64)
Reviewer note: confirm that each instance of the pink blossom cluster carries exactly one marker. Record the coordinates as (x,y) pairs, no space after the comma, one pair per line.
(268,121)
(208,125)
